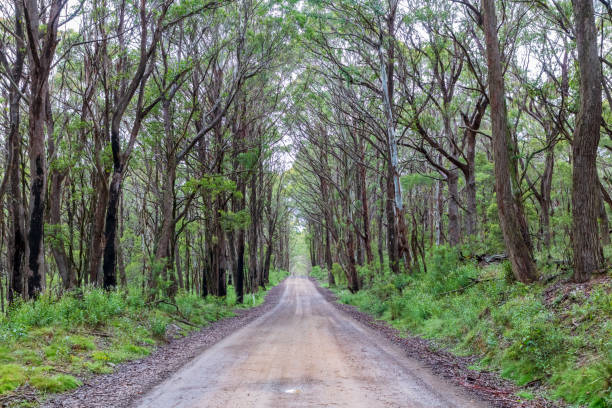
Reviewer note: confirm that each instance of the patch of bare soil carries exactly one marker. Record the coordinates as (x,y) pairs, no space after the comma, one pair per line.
(485,385)
(133,379)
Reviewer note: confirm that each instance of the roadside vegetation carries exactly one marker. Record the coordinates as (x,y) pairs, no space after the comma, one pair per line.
(51,345)
(553,334)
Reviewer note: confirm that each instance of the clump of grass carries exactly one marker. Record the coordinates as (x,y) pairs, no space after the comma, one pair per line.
(54,383)
(11,377)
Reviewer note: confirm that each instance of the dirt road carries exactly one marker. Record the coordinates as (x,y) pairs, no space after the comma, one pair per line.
(304,353)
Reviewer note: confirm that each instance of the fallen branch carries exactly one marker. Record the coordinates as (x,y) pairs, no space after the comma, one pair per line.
(474,282)
(181,317)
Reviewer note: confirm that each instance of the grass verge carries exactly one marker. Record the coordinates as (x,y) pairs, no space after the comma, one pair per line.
(554,339)
(51,345)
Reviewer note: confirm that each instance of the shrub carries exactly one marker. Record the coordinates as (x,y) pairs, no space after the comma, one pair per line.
(158,326)
(319,273)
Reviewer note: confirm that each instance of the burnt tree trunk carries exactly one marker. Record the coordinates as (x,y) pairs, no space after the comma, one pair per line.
(41,50)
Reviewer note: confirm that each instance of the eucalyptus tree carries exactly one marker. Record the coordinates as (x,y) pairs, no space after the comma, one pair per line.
(586,200)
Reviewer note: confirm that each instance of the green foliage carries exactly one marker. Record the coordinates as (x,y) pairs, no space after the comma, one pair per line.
(11,377)
(319,273)
(339,275)
(564,343)
(158,326)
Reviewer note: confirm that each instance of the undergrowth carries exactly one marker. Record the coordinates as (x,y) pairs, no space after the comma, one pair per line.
(557,335)
(53,344)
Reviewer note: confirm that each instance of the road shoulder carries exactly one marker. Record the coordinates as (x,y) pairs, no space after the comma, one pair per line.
(132,380)
(487,386)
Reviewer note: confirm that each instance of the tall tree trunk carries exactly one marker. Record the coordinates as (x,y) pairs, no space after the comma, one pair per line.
(121,254)
(238,204)
(57,178)
(38,181)
(110,229)
(62,262)
(365,212)
(545,191)
(510,208)
(163,253)
(398,242)
(381,231)
(99,201)
(438,209)
(588,256)
(17,242)
(41,50)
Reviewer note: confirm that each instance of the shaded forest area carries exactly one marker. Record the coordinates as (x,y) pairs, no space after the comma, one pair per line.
(141,146)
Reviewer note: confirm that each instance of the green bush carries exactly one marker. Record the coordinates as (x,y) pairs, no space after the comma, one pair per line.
(319,273)
(158,326)
(339,275)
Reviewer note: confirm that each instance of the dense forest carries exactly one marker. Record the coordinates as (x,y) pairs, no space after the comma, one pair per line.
(141,146)
(475,125)
(423,149)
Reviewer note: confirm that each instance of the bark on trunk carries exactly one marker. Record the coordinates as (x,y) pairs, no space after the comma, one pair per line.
(454,235)
(510,209)
(110,232)
(100,199)
(253,241)
(62,262)
(588,256)
(17,242)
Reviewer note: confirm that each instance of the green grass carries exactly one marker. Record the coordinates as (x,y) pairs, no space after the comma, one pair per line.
(564,342)
(53,344)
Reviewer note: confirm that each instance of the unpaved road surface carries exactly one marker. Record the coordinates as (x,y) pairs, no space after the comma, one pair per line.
(305,353)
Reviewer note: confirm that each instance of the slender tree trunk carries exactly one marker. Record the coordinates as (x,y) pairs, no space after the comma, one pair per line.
(365,211)
(121,254)
(438,209)
(99,201)
(545,191)
(163,253)
(470,186)
(239,205)
(510,208)
(453,208)
(62,262)
(381,231)
(588,256)
(253,234)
